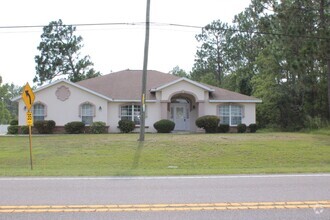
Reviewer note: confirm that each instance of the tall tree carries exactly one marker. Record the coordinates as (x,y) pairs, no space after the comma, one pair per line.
(278,51)
(243,48)
(8,109)
(177,71)
(211,56)
(60,55)
(297,46)
(324,33)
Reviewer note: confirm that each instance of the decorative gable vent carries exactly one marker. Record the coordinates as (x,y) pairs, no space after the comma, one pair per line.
(63,93)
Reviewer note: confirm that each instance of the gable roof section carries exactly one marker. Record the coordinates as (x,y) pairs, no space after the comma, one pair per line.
(126,86)
(222,95)
(180,80)
(70,83)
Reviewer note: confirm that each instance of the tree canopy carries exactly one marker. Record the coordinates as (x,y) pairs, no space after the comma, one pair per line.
(8,109)
(177,71)
(60,55)
(278,51)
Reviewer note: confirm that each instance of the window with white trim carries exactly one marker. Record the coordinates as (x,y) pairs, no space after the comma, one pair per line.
(39,112)
(230,114)
(87,113)
(131,112)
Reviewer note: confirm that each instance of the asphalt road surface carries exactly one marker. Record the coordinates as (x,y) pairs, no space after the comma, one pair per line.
(300,196)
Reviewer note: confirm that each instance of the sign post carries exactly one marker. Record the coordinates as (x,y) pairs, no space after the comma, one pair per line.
(28,98)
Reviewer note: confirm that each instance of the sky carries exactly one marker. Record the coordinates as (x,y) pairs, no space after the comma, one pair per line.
(114,47)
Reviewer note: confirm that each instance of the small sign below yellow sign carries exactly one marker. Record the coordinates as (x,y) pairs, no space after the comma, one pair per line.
(28,96)
(29,119)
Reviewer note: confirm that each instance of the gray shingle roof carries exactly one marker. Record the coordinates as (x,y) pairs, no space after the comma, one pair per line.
(126,85)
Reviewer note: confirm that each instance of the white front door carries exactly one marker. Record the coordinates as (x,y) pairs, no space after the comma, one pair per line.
(180,114)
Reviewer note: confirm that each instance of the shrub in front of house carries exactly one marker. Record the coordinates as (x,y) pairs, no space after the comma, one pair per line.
(126,126)
(98,127)
(45,127)
(24,129)
(208,122)
(13,122)
(164,126)
(253,128)
(223,128)
(241,128)
(12,129)
(74,127)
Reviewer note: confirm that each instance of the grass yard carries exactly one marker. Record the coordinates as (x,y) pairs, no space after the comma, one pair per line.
(166,154)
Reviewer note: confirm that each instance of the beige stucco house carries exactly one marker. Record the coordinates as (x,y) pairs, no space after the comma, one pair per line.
(117,96)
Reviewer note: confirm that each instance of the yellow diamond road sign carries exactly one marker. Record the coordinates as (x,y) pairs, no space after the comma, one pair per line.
(28,96)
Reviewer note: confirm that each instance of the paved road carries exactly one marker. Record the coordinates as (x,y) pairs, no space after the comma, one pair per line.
(199,197)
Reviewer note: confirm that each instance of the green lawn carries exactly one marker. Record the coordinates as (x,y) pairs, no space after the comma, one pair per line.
(166,154)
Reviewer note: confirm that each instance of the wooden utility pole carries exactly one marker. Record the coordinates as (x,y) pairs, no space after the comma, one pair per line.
(144,74)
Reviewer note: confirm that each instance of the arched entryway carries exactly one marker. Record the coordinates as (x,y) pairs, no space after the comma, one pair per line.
(183,111)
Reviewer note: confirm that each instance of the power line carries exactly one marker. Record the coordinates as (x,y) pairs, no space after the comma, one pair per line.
(76,25)
(171,25)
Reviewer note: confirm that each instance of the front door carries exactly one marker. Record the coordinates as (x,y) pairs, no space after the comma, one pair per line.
(180,116)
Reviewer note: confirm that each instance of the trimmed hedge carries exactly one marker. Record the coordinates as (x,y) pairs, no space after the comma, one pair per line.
(223,128)
(24,129)
(126,126)
(45,127)
(98,127)
(241,128)
(12,129)
(164,126)
(13,122)
(208,122)
(74,127)
(253,128)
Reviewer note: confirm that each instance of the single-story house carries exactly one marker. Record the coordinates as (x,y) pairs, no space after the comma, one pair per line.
(115,96)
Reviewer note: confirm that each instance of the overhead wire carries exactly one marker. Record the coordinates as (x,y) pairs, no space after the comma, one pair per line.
(184,26)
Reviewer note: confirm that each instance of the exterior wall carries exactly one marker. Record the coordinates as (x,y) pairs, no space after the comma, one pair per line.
(65,111)
(249,111)
(153,114)
(250,114)
(3,129)
(182,87)
(199,95)
(193,118)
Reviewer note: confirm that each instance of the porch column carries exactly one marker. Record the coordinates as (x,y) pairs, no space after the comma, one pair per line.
(163,109)
(201,108)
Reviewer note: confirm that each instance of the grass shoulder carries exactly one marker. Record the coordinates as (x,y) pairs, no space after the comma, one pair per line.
(167,154)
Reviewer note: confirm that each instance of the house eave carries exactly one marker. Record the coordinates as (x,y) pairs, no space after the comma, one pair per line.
(179,80)
(132,100)
(235,101)
(17,98)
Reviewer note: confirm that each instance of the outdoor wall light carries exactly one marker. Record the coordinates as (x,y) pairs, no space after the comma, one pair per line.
(100,108)
(24,108)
